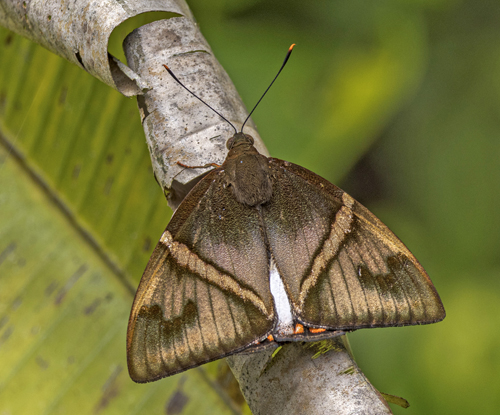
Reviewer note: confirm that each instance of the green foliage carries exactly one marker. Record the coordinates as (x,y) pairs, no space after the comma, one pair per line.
(396,100)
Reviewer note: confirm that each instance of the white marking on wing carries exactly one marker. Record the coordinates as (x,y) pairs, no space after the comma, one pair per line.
(281,301)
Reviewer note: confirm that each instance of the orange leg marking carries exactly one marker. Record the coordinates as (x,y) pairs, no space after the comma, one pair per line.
(314,331)
(270,338)
(299,329)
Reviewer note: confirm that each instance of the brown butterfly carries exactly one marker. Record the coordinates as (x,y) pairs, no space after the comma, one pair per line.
(262,251)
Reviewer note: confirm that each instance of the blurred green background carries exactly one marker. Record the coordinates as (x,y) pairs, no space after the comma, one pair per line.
(396,102)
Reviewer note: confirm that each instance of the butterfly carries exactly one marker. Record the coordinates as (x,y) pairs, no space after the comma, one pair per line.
(263,251)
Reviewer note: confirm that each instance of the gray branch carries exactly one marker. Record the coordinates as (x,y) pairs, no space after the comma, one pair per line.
(298,378)
(304,379)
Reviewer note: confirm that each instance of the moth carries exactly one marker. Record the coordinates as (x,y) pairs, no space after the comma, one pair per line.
(263,251)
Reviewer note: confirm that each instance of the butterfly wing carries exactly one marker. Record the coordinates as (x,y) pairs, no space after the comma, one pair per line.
(205,291)
(342,268)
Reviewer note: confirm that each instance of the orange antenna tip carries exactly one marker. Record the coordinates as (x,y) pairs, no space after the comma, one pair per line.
(272,82)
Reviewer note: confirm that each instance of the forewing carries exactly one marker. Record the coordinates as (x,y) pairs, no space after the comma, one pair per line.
(205,291)
(342,267)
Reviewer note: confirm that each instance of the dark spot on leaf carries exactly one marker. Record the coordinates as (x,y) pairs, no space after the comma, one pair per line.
(50,288)
(17,303)
(108,185)
(3,100)
(7,251)
(3,321)
(6,334)
(44,364)
(109,158)
(76,171)
(110,390)
(69,284)
(176,403)
(92,307)
(147,244)
(62,95)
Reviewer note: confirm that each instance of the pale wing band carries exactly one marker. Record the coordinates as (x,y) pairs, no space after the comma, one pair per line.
(187,259)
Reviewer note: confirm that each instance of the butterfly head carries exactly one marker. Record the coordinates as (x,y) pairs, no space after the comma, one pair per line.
(239,139)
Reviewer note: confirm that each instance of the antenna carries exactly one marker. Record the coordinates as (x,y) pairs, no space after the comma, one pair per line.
(258,102)
(270,85)
(196,96)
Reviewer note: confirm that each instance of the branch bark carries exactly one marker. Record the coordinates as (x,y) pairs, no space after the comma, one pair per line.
(307,378)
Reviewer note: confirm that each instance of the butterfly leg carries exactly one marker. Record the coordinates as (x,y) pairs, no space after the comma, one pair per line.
(198,167)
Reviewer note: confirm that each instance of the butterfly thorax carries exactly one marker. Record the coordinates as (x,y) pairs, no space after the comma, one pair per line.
(247,171)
